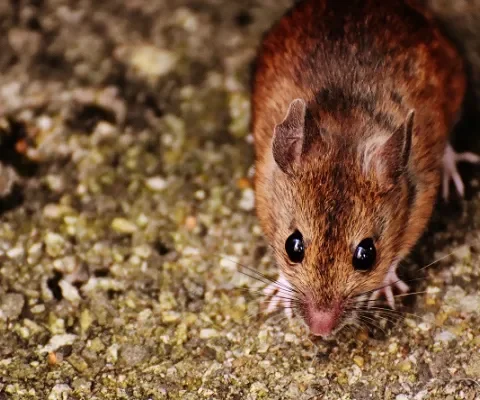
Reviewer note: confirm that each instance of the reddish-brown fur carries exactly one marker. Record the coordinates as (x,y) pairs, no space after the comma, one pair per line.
(361,66)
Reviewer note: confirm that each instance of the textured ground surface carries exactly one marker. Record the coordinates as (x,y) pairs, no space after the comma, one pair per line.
(126,204)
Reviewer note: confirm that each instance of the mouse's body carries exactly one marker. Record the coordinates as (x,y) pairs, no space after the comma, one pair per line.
(353,103)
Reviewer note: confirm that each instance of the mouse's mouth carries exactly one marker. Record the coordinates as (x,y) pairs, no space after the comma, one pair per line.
(328,322)
(344,320)
(323,321)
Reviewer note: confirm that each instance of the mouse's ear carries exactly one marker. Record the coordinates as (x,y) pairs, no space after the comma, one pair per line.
(396,150)
(289,135)
(391,158)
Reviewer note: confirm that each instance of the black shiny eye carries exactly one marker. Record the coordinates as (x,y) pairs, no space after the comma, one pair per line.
(294,247)
(365,255)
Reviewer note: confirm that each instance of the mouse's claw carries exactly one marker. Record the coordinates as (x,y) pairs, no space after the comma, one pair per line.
(391,281)
(450,171)
(280,294)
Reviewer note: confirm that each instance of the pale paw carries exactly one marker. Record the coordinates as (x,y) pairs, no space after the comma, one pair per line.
(450,171)
(390,282)
(279,295)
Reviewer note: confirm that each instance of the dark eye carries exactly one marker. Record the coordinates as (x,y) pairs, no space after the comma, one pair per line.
(294,247)
(365,255)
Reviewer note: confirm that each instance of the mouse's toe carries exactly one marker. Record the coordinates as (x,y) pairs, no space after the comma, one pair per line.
(279,295)
(391,281)
(450,170)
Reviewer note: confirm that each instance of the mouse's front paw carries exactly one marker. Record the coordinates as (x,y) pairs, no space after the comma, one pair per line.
(450,171)
(391,281)
(279,295)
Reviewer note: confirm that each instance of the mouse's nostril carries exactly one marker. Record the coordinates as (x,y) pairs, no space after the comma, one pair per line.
(322,322)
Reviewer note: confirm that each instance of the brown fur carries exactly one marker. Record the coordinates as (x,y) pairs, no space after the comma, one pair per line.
(361,66)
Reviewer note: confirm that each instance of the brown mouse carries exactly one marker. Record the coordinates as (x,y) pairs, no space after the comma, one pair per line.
(353,103)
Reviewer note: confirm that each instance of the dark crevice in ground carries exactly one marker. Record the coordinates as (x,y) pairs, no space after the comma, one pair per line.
(13,200)
(53,285)
(13,144)
(86,117)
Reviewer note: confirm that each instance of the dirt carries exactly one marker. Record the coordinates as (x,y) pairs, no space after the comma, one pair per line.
(127,211)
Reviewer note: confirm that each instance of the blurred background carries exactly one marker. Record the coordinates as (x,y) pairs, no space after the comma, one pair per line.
(127,206)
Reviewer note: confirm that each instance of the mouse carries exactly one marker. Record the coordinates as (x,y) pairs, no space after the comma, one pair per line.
(353,104)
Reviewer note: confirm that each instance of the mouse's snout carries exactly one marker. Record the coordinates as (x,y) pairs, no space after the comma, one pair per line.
(322,321)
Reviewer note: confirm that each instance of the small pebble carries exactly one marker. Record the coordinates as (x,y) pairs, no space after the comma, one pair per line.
(97,345)
(81,385)
(208,333)
(181,334)
(424,326)
(112,353)
(153,61)
(69,291)
(77,362)
(470,304)
(247,201)
(104,130)
(259,388)
(170,316)
(445,337)
(59,392)
(38,309)
(44,123)
(240,112)
(157,184)
(190,223)
(53,358)
(200,195)
(229,263)
(433,290)
(21,146)
(86,320)
(122,225)
(472,369)
(143,251)
(476,341)
(393,348)
(290,338)
(34,252)
(142,220)
(359,361)
(440,318)
(243,183)
(405,366)
(58,341)
(12,305)
(25,42)
(144,315)
(54,244)
(462,253)
(55,211)
(421,395)
(411,323)
(55,182)
(16,252)
(133,354)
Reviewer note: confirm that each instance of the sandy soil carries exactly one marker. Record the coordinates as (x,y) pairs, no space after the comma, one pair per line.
(127,208)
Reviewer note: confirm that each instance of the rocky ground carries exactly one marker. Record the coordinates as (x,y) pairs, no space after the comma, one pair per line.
(127,208)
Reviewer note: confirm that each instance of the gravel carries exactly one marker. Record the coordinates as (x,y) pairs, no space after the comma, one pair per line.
(127,209)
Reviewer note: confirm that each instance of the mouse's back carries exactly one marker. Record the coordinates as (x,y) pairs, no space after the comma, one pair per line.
(373,54)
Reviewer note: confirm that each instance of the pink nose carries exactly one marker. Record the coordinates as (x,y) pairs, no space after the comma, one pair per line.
(321,322)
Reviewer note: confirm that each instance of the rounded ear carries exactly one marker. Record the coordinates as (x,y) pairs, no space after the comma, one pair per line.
(390,159)
(399,146)
(288,137)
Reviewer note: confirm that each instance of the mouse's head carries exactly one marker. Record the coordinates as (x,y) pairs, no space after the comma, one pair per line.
(336,206)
